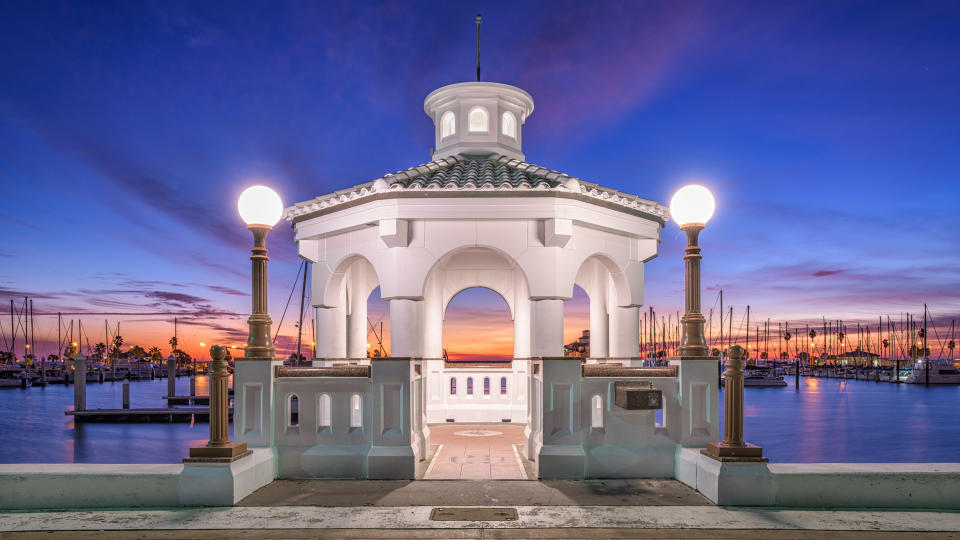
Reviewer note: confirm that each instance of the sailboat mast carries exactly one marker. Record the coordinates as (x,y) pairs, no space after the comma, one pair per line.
(748,333)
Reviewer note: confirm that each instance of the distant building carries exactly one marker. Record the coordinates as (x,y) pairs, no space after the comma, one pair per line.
(580,347)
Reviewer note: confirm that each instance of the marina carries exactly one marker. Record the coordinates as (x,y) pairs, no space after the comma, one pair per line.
(827,420)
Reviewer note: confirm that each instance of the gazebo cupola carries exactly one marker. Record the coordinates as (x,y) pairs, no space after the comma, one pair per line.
(478,119)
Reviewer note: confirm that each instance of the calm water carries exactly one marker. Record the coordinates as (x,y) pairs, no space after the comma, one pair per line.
(33,428)
(826,420)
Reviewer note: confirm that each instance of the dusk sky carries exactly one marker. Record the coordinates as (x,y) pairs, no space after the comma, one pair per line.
(829,133)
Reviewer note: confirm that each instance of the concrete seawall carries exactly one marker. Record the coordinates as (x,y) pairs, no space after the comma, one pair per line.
(88,485)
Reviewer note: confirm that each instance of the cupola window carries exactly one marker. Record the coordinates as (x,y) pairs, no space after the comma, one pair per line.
(508,124)
(479,120)
(448,124)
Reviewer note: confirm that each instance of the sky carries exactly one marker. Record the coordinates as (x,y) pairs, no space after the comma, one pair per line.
(828,132)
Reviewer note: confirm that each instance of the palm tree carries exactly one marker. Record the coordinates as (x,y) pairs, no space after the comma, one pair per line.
(155,355)
(99,349)
(137,352)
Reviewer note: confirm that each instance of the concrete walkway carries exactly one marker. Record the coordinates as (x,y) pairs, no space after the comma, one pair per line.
(531,522)
(477,452)
(360,493)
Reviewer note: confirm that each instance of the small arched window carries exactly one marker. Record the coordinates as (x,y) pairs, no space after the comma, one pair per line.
(293,411)
(469,386)
(448,124)
(356,411)
(486,386)
(323,419)
(453,386)
(596,412)
(508,124)
(503,386)
(478,120)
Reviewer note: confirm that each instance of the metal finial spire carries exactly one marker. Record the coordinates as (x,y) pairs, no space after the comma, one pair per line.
(479,19)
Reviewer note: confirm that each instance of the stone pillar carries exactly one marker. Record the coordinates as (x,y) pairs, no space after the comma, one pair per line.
(405,328)
(79,382)
(561,455)
(546,328)
(219,447)
(392,453)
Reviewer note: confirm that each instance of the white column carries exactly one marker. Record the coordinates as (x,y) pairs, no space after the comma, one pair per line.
(432,320)
(598,324)
(624,332)
(521,327)
(331,332)
(405,328)
(546,328)
(357,325)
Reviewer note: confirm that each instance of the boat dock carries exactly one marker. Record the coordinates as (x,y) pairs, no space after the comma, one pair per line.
(181,414)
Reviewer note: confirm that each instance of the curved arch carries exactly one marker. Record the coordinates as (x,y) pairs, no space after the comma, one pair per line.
(331,290)
(448,124)
(616,274)
(478,120)
(446,257)
(447,300)
(508,124)
(464,267)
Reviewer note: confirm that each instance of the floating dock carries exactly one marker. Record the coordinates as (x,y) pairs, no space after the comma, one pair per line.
(144,416)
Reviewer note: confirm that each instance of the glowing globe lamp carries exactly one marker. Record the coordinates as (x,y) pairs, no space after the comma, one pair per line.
(260,206)
(692,204)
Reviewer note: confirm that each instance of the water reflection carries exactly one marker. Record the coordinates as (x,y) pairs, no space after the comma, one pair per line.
(828,420)
(832,420)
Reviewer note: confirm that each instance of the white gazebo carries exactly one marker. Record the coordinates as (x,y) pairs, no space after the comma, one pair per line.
(476,215)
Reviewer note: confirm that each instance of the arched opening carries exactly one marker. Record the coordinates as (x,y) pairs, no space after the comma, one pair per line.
(356,412)
(604,314)
(508,124)
(478,120)
(378,325)
(293,411)
(323,412)
(576,324)
(477,328)
(596,412)
(353,322)
(448,124)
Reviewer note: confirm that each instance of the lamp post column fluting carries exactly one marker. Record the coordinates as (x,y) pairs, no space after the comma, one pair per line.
(259,344)
(693,342)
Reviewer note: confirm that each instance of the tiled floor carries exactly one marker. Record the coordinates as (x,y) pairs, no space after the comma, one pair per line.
(476,452)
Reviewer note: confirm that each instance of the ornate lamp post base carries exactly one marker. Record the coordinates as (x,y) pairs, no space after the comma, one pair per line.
(747,452)
(217,454)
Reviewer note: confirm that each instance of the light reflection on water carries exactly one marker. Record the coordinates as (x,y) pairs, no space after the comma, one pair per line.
(827,420)
(832,420)
(35,430)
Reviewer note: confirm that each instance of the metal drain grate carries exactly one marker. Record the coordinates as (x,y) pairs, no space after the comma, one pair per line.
(473,514)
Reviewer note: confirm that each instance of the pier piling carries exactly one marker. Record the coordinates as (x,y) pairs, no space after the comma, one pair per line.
(126,394)
(79,383)
(171,376)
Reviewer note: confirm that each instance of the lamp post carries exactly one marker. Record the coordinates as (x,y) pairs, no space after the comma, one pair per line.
(260,208)
(691,207)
